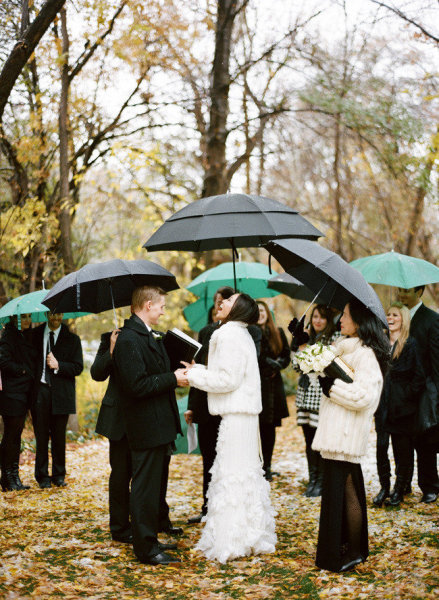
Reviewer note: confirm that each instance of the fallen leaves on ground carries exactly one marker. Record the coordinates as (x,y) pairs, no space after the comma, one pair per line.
(56,543)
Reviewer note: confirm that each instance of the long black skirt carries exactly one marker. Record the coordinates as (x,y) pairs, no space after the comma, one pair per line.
(343,516)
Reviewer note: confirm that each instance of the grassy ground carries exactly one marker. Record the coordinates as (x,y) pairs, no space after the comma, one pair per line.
(56,544)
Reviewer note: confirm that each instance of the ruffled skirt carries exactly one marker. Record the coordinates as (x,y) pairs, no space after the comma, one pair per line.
(240,517)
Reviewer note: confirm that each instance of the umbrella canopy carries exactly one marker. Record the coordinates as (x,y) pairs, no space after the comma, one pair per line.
(398,270)
(197,314)
(251,278)
(102,286)
(292,287)
(230,221)
(31,304)
(326,274)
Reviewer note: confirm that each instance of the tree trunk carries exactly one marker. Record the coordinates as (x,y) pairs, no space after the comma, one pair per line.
(65,204)
(215,171)
(24,48)
(337,191)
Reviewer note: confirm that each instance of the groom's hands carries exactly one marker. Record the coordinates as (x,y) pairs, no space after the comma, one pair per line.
(181,376)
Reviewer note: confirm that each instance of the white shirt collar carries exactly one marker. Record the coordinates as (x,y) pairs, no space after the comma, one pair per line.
(415,308)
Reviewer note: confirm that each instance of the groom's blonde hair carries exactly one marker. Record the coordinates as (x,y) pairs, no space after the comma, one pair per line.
(144,294)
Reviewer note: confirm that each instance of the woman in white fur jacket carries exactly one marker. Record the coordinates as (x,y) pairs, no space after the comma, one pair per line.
(346,416)
(240,518)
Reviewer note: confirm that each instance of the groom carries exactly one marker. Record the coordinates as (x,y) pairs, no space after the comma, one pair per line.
(146,388)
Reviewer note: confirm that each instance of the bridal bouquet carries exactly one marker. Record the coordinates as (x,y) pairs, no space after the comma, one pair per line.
(315,358)
(323,360)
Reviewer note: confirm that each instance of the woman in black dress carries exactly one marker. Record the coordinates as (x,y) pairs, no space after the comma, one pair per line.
(274,356)
(396,414)
(346,415)
(17,365)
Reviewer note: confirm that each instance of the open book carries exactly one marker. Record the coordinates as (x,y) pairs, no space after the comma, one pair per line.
(340,370)
(180,346)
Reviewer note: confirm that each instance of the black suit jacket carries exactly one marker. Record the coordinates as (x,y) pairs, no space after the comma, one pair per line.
(68,353)
(110,421)
(17,366)
(424,328)
(146,387)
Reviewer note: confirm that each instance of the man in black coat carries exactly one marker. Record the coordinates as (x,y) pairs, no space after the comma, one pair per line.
(111,425)
(146,390)
(424,328)
(197,409)
(58,362)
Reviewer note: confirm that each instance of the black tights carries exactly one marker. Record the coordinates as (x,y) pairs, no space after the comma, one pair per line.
(353,520)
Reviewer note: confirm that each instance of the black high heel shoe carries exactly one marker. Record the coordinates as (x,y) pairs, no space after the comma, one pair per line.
(351,564)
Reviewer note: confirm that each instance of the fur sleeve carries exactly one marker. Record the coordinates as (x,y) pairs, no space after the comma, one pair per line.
(364,391)
(227,372)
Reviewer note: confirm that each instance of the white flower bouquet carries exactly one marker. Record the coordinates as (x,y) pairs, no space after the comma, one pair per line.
(315,358)
(319,359)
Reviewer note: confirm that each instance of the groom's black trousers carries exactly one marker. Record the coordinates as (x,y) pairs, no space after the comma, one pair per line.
(146,485)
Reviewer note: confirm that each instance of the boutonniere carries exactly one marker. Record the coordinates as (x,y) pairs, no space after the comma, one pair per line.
(157,335)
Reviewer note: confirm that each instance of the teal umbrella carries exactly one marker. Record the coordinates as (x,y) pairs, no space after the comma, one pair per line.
(396,270)
(251,278)
(197,313)
(31,304)
(181,442)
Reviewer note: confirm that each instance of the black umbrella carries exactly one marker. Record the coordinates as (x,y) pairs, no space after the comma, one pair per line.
(230,221)
(292,287)
(102,286)
(326,274)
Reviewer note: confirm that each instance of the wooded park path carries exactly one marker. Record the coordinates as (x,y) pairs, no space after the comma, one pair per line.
(56,543)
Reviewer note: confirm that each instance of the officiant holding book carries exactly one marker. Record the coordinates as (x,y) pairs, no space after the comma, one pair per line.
(149,409)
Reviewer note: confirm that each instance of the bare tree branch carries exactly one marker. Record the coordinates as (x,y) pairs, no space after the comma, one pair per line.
(24,48)
(404,17)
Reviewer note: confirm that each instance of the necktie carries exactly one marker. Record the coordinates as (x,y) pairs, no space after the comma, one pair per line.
(50,346)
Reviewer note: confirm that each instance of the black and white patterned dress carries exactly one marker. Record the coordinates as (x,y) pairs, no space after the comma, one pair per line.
(309,394)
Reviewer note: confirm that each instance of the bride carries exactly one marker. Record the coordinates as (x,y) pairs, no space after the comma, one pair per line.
(240,518)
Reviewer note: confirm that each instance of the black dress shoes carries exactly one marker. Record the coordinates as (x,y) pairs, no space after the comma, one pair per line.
(123,539)
(380,497)
(429,497)
(167,546)
(160,559)
(45,484)
(194,520)
(170,530)
(351,565)
(59,482)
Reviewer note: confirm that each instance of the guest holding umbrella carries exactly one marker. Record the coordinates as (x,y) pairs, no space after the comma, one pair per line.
(17,365)
(346,414)
(396,414)
(321,328)
(274,356)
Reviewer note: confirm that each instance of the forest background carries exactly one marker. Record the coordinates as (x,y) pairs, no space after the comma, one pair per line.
(128,110)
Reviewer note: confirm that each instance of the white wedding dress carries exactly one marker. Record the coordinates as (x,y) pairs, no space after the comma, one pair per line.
(240,518)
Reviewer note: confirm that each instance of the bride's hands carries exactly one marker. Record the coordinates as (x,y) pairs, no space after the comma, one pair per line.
(187,365)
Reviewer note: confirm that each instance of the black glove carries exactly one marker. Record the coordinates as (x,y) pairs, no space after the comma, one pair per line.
(299,336)
(273,364)
(326,384)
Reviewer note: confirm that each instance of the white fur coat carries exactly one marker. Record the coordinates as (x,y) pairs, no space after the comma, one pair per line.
(231,378)
(345,418)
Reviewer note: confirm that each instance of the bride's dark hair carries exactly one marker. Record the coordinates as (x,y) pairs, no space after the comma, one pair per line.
(245,309)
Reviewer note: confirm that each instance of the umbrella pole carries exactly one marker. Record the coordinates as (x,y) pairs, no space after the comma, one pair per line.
(234,255)
(313,300)
(114,310)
